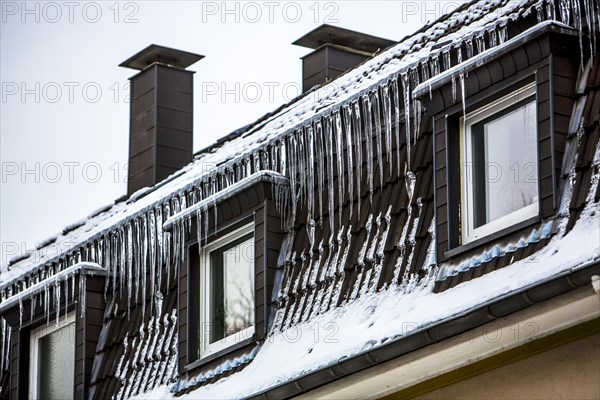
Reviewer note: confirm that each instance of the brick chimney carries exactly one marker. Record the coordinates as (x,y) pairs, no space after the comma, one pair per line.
(161,114)
(337,50)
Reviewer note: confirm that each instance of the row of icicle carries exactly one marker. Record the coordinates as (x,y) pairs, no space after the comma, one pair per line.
(137,252)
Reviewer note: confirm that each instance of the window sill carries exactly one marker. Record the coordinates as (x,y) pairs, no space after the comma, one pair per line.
(200,362)
(492,237)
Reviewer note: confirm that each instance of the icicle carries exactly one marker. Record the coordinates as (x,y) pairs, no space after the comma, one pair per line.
(480,43)
(493,38)
(502,34)
(65,284)
(47,304)
(416,109)
(73,286)
(137,257)
(378,135)
(301,166)
(83,295)
(293,173)
(540,12)
(349,150)
(550,13)
(160,249)
(330,176)
(124,256)
(453,88)
(446,59)
(129,267)
(205,224)
(199,227)
(356,128)
(339,136)
(366,104)
(463,94)
(310,184)
(152,253)
(396,99)
(144,235)
(57,290)
(406,93)
(32,303)
(469,47)
(20,313)
(387,119)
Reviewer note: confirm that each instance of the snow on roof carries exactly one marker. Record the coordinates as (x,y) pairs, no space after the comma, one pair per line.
(467,22)
(359,326)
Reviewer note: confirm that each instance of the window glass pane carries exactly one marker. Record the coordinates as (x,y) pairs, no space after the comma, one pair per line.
(56,364)
(232,300)
(505,147)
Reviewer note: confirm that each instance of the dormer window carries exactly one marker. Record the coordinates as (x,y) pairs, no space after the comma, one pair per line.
(500,164)
(226,281)
(227,286)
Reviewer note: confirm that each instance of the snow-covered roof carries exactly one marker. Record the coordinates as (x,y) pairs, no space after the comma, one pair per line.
(362,256)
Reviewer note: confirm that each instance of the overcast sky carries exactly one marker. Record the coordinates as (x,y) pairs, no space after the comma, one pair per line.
(64,111)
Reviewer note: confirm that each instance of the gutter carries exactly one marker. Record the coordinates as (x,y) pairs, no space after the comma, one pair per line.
(502,306)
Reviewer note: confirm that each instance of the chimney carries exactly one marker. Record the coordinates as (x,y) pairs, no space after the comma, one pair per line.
(161,114)
(337,50)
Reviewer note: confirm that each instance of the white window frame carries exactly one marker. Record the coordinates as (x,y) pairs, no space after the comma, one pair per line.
(205,347)
(35,336)
(469,233)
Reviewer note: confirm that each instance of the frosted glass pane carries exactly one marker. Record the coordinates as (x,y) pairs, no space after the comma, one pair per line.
(56,364)
(510,151)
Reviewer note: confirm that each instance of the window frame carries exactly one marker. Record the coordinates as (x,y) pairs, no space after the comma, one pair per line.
(524,95)
(34,337)
(206,349)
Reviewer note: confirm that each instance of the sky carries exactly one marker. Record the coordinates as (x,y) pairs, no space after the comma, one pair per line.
(64,111)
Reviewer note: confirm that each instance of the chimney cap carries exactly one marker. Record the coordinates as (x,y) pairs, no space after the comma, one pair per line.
(163,55)
(328,34)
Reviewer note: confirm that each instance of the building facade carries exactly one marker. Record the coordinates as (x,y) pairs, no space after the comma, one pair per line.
(428,228)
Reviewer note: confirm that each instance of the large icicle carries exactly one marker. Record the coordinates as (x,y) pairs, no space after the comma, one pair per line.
(310,184)
(129,265)
(320,166)
(366,103)
(378,135)
(144,256)
(396,99)
(357,129)
(349,150)
(330,176)
(339,136)
(387,119)
(406,94)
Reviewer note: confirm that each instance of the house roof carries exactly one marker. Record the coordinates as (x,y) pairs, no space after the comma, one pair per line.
(355,264)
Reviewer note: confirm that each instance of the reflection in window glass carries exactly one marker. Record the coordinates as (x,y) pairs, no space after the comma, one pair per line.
(232,288)
(56,355)
(505,163)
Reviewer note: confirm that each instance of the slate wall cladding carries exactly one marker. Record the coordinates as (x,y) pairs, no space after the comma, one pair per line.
(386,244)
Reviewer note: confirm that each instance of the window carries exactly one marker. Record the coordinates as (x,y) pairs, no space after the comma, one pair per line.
(52,361)
(227,291)
(499,174)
